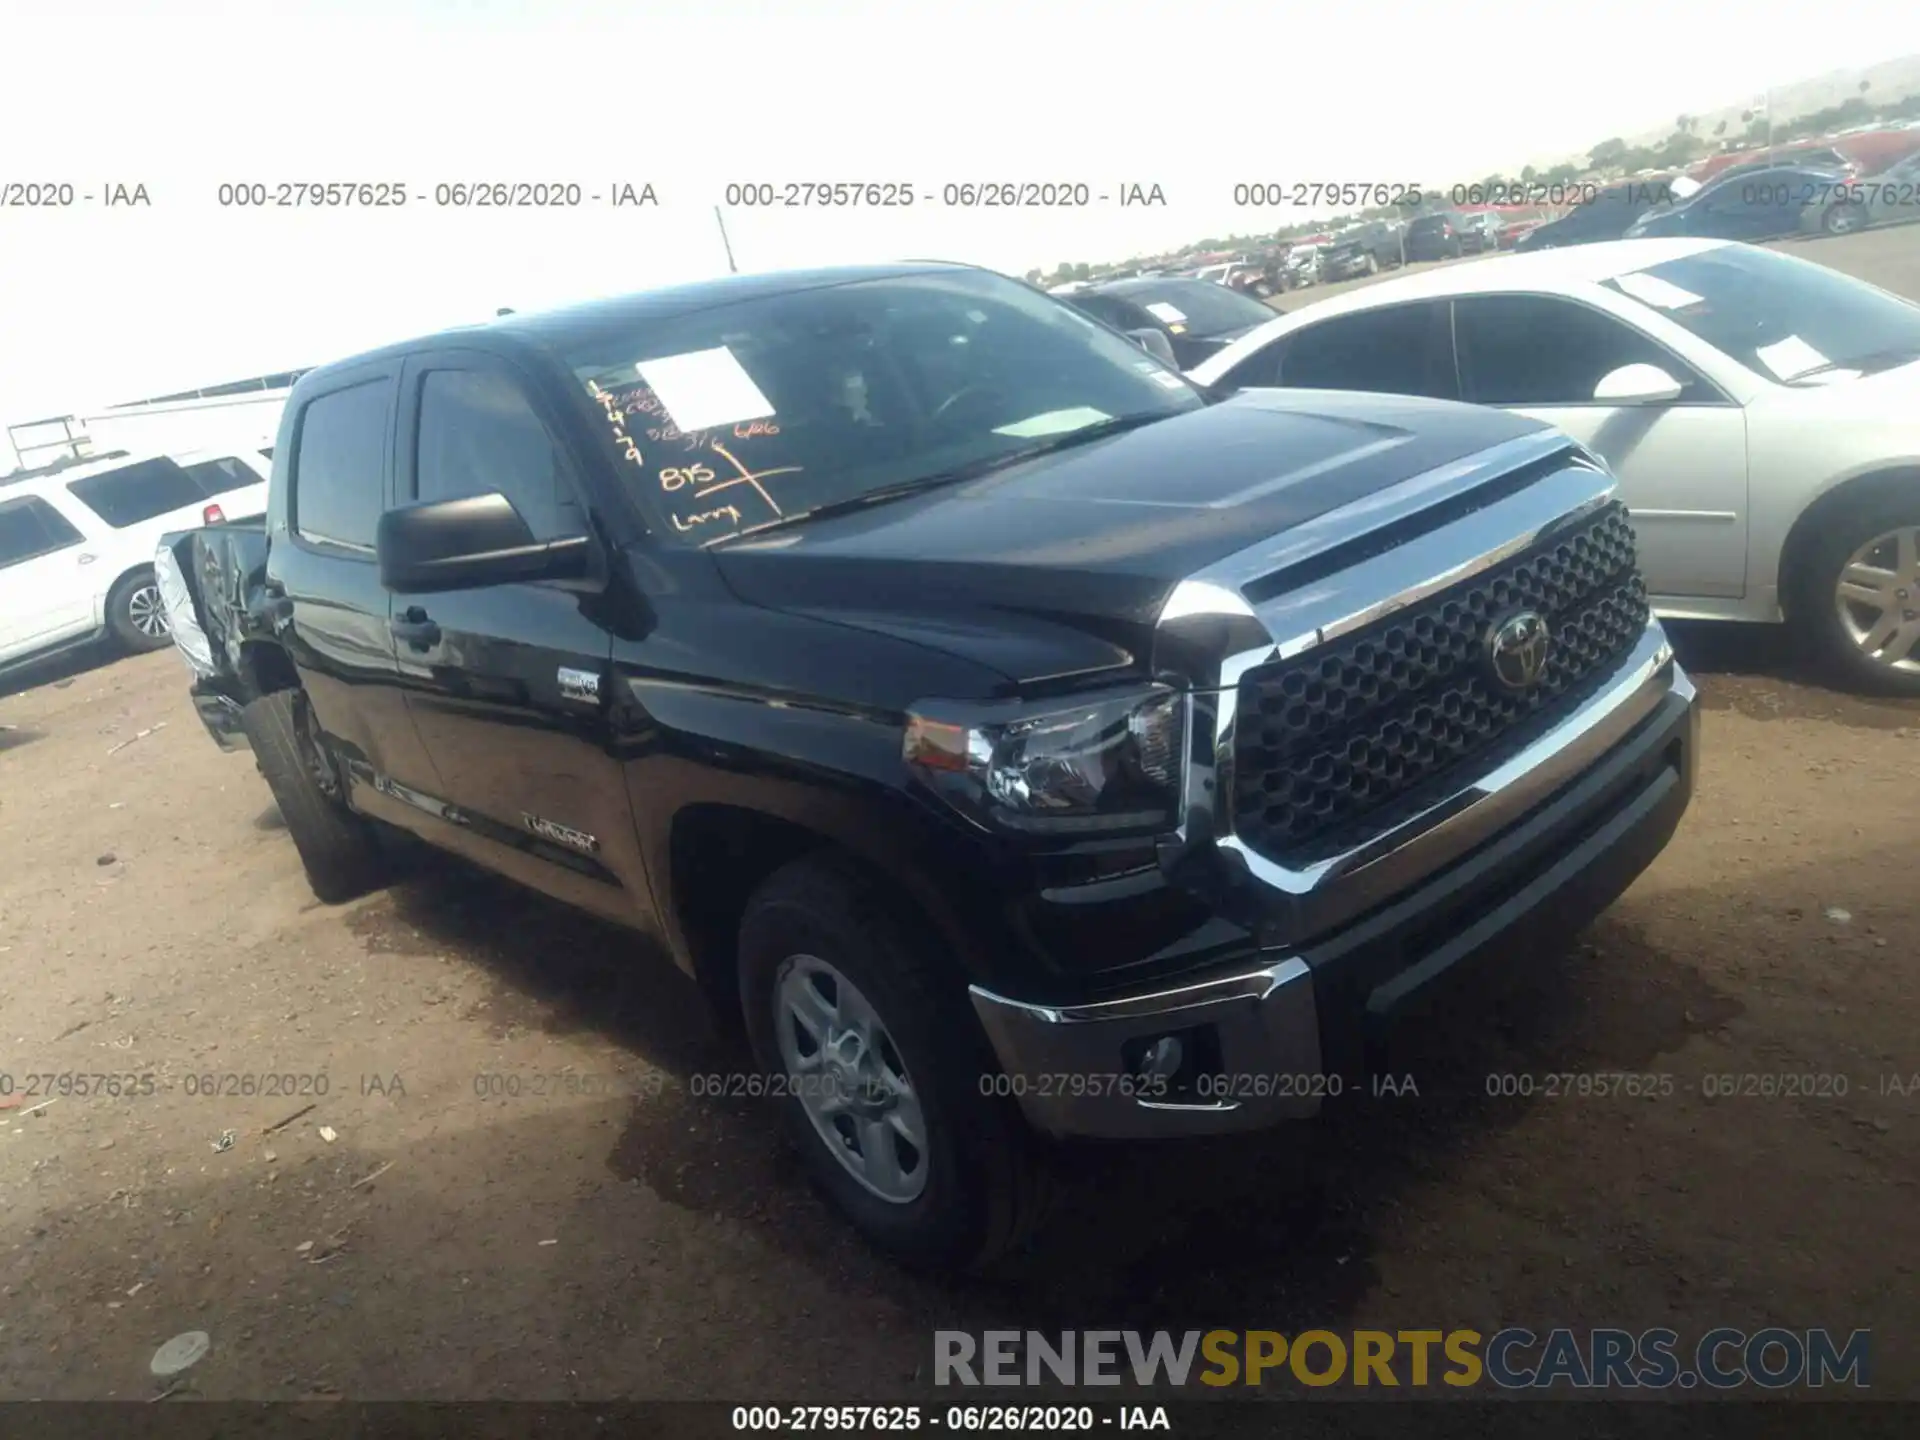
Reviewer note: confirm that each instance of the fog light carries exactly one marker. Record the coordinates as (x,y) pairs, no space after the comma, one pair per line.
(1162,1060)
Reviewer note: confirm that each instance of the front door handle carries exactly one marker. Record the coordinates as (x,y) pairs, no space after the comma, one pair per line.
(415,628)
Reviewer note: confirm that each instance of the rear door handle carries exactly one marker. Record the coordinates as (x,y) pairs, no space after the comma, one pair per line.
(414,627)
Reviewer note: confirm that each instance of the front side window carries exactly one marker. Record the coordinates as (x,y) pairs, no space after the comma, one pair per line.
(339,472)
(138,492)
(30,527)
(1111,310)
(1393,350)
(1199,307)
(1538,350)
(479,434)
(762,411)
(1782,317)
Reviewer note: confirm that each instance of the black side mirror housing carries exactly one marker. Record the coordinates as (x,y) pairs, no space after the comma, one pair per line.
(465,544)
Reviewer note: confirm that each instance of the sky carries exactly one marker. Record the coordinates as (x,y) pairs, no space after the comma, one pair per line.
(102,305)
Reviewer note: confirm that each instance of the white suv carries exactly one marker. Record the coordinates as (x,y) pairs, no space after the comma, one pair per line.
(76,546)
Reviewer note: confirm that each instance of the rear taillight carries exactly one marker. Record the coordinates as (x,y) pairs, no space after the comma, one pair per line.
(213,515)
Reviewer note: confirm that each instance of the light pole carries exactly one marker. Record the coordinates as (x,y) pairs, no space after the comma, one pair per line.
(720,220)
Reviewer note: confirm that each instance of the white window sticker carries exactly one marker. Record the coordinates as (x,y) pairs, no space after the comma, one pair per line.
(1169,381)
(1053,422)
(1789,357)
(1652,290)
(1160,310)
(704,389)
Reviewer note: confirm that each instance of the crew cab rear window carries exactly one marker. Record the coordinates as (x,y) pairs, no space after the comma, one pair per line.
(339,473)
(137,492)
(30,527)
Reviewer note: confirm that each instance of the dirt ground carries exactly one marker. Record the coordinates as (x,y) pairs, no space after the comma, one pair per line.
(522,1197)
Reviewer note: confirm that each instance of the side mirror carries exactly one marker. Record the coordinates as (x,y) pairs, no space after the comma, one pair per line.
(468,543)
(1155,344)
(1637,385)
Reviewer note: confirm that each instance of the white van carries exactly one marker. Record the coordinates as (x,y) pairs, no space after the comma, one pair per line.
(76,546)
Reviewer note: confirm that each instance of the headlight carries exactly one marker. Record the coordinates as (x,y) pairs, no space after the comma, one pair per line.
(1109,764)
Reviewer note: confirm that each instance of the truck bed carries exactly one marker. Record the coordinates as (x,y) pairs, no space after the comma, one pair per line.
(221,569)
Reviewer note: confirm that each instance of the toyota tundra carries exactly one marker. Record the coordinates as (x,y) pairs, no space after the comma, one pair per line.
(1017,740)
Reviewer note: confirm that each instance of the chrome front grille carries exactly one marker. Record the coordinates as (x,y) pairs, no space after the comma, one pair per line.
(1331,742)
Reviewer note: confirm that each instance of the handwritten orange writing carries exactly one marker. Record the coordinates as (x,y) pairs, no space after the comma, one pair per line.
(616,417)
(670,432)
(744,476)
(674,479)
(689,522)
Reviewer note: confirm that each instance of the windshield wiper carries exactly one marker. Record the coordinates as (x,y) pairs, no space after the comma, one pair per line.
(1866,364)
(972,470)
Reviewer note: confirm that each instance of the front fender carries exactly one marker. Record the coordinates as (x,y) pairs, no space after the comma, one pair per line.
(830,771)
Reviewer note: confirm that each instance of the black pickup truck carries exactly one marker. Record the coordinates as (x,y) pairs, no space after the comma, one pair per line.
(1018,741)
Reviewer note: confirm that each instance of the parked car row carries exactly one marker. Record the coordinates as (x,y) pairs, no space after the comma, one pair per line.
(1780,200)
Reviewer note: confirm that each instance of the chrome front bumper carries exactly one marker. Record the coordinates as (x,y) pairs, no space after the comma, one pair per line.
(1525,855)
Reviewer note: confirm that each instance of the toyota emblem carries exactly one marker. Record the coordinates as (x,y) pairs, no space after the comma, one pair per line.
(1517,650)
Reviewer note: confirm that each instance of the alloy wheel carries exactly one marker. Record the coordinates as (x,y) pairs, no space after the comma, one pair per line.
(1844,220)
(848,1076)
(1878,599)
(148,612)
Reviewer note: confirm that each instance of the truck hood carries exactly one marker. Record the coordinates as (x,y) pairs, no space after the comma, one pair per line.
(1056,570)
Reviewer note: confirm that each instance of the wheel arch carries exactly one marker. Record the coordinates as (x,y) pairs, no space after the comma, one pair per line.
(1866,487)
(720,853)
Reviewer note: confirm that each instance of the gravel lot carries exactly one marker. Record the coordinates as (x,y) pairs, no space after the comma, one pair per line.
(610,1235)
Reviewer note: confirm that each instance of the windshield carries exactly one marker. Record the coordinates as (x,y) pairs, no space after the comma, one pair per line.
(1198,307)
(1779,316)
(749,413)
(1423,223)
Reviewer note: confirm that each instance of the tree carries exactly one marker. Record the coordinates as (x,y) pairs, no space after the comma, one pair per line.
(1607,152)
(1677,149)
(1720,129)
(1684,124)
(1528,174)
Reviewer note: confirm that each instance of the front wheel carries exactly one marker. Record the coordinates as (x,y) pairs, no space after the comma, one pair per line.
(135,613)
(869,1041)
(1857,600)
(339,849)
(1843,219)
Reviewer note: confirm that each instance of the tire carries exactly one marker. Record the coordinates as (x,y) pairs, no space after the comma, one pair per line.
(983,1182)
(340,850)
(135,613)
(1837,635)
(1843,219)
